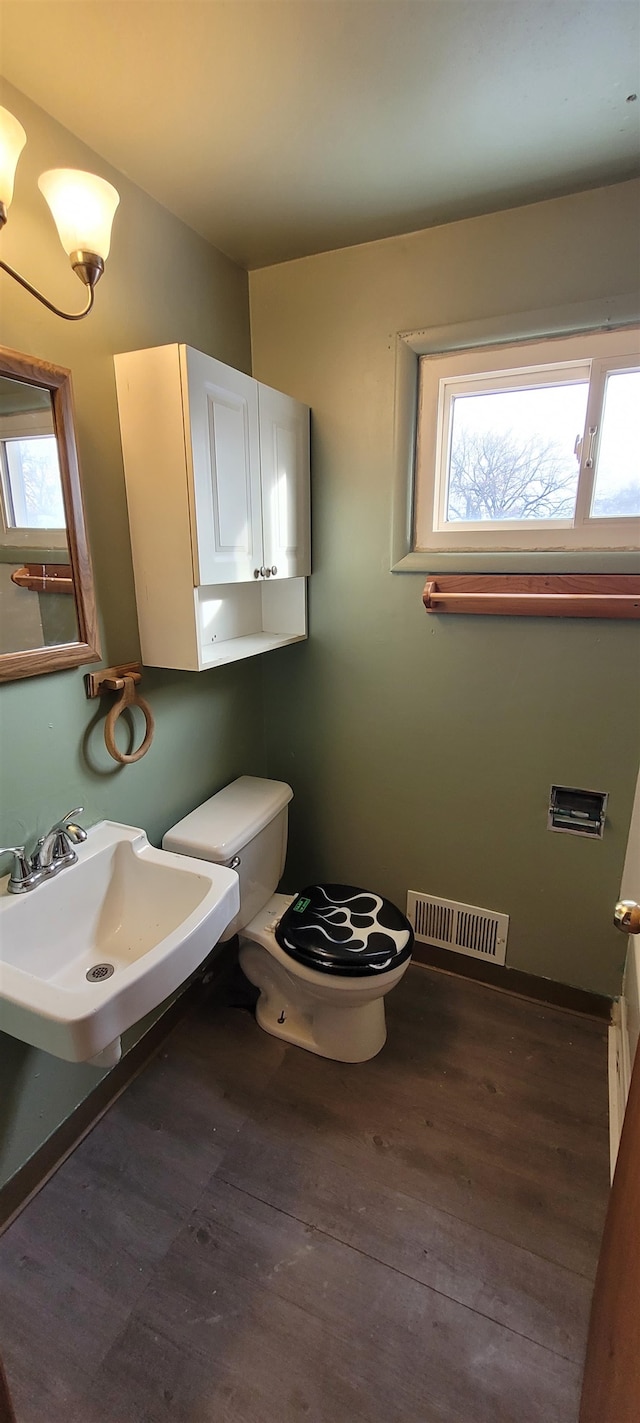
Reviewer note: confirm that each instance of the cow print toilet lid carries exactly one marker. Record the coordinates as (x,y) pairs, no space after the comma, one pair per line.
(341,929)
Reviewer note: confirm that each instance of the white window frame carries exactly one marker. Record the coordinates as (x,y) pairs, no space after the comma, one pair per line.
(606,313)
(591,355)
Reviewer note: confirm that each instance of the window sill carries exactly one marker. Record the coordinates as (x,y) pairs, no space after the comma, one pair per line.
(615,561)
(576,595)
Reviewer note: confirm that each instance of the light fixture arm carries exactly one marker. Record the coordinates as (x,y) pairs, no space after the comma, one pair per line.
(87,266)
(67,315)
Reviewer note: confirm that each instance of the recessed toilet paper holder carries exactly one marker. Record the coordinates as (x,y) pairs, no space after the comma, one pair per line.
(577,812)
(123,679)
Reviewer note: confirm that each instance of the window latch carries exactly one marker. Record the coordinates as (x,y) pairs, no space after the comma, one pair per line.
(593,430)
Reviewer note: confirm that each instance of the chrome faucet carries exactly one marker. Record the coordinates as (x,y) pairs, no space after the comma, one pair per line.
(52,853)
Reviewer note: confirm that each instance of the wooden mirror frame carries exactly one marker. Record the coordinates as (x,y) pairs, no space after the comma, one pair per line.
(34,661)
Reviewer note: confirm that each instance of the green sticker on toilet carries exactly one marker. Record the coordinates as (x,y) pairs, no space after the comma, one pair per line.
(300,906)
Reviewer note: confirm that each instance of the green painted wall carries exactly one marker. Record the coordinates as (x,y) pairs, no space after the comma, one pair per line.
(162,284)
(421,750)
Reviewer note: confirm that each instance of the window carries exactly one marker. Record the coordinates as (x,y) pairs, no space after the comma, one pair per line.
(532,446)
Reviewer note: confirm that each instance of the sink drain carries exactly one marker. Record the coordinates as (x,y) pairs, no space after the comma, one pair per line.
(99,971)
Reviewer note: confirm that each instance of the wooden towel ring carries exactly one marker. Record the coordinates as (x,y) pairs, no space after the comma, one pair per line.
(129,698)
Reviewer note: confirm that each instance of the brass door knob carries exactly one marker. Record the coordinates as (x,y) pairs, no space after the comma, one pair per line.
(626,916)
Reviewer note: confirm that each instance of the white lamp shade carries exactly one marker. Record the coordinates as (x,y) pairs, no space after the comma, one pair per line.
(12,142)
(83,208)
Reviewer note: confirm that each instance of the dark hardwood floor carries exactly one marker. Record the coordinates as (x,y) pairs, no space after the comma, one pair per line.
(256,1235)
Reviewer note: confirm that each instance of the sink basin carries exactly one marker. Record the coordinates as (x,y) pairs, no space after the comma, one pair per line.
(142,919)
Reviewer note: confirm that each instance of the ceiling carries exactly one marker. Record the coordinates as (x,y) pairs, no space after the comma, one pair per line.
(277,128)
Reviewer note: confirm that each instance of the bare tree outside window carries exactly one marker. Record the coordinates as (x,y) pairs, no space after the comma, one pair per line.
(494,474)
(513,453)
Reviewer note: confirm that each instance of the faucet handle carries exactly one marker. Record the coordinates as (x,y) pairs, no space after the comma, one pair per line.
(17,850)
(23,875)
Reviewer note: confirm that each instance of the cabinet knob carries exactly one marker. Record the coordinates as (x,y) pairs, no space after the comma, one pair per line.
(274,570)
(256,572)
(267,573)
(263,572)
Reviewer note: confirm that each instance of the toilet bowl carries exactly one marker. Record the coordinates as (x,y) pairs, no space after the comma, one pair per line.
(323,959)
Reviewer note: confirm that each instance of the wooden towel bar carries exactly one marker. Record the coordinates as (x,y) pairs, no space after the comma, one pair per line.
(535,595)
(44,577)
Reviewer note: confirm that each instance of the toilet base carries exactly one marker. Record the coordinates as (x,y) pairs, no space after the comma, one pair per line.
(338,1018)
(343,1034)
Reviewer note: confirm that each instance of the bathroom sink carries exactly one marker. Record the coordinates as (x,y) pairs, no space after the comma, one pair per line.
(89,952)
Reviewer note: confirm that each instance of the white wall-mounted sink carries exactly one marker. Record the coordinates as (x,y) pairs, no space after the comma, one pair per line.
(150,915)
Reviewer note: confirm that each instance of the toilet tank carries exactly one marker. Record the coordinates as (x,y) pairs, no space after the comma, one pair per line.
(246,822)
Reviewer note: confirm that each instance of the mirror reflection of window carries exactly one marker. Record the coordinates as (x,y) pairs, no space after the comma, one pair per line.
(30,484)
(47,605)
(33,498)
(32,521)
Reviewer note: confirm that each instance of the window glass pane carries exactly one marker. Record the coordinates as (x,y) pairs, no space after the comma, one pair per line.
(34,483)
(617,488)
(512,453)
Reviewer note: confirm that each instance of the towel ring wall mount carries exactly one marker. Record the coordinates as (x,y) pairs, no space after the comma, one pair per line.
(124,680)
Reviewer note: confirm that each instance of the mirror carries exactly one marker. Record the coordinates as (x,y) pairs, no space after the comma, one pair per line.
(47,605)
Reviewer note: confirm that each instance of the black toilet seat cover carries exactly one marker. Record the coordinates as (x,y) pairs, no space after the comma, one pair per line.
(340,929)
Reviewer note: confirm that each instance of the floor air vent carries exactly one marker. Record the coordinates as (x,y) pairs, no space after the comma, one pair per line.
(460,927)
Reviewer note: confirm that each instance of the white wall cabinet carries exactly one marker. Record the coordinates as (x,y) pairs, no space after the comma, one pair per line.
(217,475)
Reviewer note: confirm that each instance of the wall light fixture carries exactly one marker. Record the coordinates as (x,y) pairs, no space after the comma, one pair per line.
(83,208)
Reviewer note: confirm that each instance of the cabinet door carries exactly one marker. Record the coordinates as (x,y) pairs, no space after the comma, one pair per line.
(284,451)
(221,420)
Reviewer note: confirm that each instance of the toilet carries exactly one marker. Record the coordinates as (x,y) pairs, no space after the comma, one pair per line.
(323,959)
